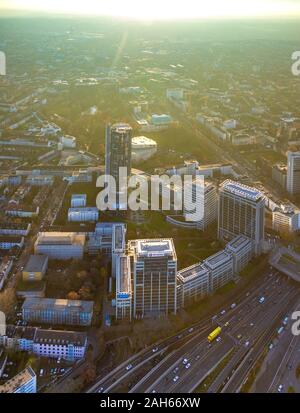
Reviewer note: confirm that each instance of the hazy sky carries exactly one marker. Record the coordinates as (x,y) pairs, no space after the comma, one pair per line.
(162,9)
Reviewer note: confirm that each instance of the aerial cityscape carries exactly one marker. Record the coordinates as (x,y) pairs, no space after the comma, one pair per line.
(149,199)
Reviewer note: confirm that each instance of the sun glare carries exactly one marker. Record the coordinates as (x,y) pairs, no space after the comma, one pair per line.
(163,9)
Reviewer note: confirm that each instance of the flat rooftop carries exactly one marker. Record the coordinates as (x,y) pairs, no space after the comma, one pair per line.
(238,243)
(58,337)
(189,273)
(36,263)
(60,238)
(58,304)
(242,190)
(155,247)
(217,260)
(19,380)
(123,276)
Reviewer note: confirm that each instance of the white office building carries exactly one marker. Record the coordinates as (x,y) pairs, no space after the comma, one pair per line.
(293,173)
(201,203)
(241,212)
(220,267)
(193,282)
(241,249)
(154,270)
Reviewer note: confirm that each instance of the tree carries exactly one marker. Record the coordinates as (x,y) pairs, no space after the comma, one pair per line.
(73,295)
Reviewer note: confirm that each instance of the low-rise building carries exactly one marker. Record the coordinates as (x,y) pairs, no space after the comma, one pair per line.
(83,214)
(9,242)
(57,311)
(36,268)
(193,282)
(242,250)
(221,269)
(5,268)
(60,245)
(23,382)
(78,201)
(12,228)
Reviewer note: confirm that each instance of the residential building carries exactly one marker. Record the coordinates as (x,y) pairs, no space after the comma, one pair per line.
(5,268)
(12,228)
(23,382)
(67,345)
(9,242)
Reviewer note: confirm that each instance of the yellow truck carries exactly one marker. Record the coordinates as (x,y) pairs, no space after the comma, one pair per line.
(214,334)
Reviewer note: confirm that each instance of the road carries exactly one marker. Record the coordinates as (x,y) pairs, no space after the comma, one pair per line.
(246,330)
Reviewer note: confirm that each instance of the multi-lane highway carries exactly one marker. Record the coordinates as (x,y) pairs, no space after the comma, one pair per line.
(182,362)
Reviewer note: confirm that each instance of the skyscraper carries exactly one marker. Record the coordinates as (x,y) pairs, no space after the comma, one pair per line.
(293,173)
(154,273)
(118,151)
(241,212)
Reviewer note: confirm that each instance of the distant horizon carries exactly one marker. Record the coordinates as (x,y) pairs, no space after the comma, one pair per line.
(157,10)
(7,13)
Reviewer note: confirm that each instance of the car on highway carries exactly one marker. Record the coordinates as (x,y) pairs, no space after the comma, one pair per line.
(175,378)
(223,312)
(185,361)
(247,343)
(101,390)
(280,388)
(191,330)
(261,300)
(155,349)
(233,306)
(175,370)
(187,366)
(271,346)
(226,324)
(218,339)
(129,367)
(285,321)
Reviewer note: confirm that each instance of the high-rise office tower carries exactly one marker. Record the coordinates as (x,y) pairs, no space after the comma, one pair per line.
(154,273)
(118,152)
(201,202)
(241,212)
(293,173)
